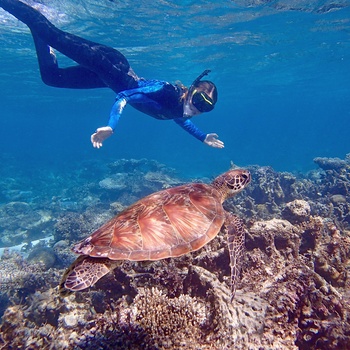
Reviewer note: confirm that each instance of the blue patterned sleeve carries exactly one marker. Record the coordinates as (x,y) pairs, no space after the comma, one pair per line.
(136,96)
(187,125)
(116,112)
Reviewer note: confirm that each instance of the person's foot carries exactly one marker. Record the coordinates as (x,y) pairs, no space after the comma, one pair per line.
(52,53)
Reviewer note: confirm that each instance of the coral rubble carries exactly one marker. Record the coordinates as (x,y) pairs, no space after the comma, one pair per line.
(293,292)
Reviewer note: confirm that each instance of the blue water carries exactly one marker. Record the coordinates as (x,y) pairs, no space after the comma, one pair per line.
(282,69)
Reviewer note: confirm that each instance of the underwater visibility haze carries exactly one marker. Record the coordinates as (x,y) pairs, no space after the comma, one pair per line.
(282,69)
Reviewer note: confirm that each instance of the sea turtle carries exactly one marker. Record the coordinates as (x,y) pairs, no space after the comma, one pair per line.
(165,224)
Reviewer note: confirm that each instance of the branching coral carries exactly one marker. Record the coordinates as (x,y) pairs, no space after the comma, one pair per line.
(172,323)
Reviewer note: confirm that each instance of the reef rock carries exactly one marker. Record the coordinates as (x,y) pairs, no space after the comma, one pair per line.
(331,163)
(115,182)
(297,211)
(132,179)
(20,222)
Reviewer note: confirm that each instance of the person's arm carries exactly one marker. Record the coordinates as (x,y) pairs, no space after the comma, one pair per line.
(137,95)
(209,139)
(104,132)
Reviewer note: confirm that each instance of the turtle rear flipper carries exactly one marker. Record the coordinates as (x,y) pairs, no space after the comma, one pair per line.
(83,273)
(235,239)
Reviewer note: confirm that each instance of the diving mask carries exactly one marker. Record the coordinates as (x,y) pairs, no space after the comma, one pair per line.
(199,99)
(202,101)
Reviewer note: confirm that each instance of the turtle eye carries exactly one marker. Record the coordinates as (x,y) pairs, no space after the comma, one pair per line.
(246,177)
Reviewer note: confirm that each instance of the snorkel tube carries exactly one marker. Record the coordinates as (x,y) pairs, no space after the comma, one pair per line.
(187,104)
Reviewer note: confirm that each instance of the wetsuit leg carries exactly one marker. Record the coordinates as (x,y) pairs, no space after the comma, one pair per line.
(107,63)
(76,77)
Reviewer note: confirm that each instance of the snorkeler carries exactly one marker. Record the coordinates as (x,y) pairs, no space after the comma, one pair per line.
(102,66)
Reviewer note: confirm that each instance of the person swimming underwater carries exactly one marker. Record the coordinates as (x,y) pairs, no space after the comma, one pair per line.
(102,66)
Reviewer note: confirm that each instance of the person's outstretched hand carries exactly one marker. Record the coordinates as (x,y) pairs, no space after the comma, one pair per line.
(213,141)
(100,135)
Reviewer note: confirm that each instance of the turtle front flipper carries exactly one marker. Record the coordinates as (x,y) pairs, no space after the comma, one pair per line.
(234,228)
(83,273)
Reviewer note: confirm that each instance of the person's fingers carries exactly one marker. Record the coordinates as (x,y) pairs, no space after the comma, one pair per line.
(218,144)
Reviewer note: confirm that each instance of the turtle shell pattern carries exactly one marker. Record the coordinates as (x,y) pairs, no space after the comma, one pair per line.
(168,223)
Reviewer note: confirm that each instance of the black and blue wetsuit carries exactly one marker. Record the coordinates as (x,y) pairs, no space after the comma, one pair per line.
(158,99)
(99,66)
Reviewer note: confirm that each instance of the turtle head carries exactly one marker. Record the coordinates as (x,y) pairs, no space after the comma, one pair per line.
(232,182)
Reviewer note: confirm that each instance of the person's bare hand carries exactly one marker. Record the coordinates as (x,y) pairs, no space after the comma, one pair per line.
(100,135)
(213,141)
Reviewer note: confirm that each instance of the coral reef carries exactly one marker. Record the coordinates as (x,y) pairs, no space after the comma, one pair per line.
(130,180)
(19,222)
(293,292)
(332,163)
